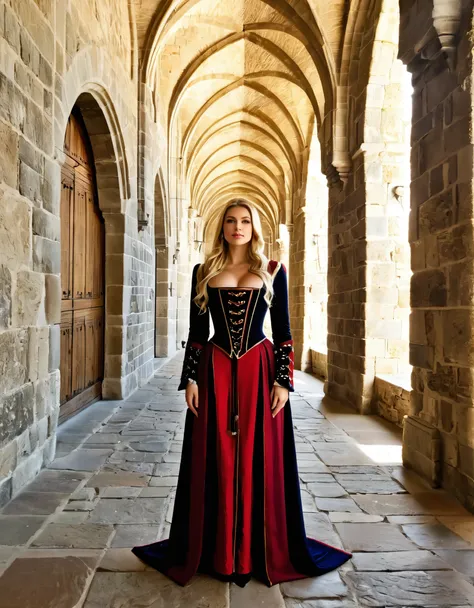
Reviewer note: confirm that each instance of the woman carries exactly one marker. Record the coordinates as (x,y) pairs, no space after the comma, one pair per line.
(238,507)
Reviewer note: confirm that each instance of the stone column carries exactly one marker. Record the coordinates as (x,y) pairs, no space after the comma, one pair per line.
(298,288)
(162,346)
(349,378)
(439,435)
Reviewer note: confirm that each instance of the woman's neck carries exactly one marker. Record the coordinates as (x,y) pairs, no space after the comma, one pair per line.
(237,255)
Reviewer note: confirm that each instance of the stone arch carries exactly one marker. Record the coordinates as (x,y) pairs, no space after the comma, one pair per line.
(90,75)
(133,40)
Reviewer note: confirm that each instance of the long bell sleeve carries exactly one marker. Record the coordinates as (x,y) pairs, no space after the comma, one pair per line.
(197,337)
(281,332)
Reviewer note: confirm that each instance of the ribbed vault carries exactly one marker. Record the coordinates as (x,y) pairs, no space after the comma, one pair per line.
(238,86)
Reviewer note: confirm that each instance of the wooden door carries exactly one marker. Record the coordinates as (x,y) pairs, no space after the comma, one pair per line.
(82,276)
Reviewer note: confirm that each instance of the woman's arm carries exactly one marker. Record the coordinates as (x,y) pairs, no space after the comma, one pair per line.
(282,339)
(197,337)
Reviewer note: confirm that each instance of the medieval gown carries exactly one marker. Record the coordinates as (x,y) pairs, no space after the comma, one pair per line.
(238,509)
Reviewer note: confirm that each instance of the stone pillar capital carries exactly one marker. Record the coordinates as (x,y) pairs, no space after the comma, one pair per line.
(335,177)
(446,21)
(430,35)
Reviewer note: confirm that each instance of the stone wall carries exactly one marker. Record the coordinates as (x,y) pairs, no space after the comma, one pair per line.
(319,364)
(52,56)
(439,434)
(391,399)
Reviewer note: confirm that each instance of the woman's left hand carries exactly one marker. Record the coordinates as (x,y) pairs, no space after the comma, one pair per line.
(279,397)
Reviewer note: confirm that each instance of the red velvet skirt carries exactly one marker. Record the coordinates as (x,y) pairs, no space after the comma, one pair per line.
(238,509)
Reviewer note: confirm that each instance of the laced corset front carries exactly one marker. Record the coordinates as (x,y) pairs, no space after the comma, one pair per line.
(238,315)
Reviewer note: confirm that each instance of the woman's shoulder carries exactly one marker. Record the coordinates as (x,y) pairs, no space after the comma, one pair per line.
(195,272)
(274,267)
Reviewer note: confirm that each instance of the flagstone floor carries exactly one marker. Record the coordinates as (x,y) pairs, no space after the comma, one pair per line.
(65,540)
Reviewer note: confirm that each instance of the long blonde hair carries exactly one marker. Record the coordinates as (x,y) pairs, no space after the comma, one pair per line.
(217,258)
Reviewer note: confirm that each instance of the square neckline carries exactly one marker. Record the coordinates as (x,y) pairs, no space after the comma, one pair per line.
(236,288)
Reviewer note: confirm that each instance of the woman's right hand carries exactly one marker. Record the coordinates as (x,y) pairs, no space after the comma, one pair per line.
(192,397)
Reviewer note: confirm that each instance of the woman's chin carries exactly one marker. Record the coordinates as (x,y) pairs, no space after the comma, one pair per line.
(237,242)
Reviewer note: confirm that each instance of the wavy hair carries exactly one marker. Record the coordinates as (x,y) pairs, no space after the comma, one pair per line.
(218,257)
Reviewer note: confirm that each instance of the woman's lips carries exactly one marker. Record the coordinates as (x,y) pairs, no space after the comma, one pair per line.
(237,236)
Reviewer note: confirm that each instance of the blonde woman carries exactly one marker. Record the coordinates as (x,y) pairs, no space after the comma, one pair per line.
(238,507)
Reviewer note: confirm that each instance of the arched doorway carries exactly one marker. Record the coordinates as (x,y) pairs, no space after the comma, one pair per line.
(82,274)
(164,285)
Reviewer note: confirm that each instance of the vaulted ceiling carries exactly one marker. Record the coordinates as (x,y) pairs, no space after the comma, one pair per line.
(239,87)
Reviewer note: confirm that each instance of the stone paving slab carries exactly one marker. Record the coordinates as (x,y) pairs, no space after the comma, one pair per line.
(128,511)
(139,589)
(81,460)
(77,536)
(392,561)
(337,504)
(345,603)
(431,503)
(256,594)
(327,586)
(18,529)
(118,478)
(373,537)
(462,561)
(70,517)
(142,468)
(80,505)
(133,535)
(121,560)
(326,490)
(57,481)
(34,503)
(338,517)
(434,536)
(340,453)
(414,588)
(22,585)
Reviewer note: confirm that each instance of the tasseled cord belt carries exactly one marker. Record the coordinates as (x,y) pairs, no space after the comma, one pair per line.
(234,400)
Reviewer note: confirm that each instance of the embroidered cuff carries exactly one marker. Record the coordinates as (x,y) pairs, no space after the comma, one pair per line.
(192,356)
(284,362)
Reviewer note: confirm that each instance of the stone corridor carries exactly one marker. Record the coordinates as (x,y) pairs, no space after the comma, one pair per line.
(66,538)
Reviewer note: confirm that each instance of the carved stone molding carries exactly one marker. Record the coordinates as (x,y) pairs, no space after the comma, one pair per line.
(334,178)
(143,217)
(446,21)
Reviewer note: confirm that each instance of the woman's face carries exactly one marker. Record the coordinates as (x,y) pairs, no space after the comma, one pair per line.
(237,228)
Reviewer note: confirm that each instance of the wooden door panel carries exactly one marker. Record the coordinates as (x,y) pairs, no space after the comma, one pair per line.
(78,354)
(80,236)
(99,364)
(67,193)
(91,257)
(94,346)
(66,357)
(82,280)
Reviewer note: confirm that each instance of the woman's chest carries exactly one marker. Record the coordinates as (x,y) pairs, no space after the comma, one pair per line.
(231,280)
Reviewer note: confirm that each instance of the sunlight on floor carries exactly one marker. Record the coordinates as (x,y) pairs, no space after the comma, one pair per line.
(383,454)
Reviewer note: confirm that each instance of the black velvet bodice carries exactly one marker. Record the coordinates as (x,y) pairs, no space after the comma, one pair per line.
(238,314)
